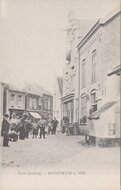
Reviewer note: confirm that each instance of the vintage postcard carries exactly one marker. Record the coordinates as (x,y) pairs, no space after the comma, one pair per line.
(60,94)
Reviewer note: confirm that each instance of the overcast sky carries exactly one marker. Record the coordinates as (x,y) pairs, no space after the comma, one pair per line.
(32,45)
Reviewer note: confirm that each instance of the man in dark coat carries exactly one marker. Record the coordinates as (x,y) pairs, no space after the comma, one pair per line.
(27,127)
(22,128)
(42,124)
(5,130)
(54,123)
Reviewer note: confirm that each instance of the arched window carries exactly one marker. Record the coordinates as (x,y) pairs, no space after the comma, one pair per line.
(83,108)
(94,54)
(93,101)
(83,73)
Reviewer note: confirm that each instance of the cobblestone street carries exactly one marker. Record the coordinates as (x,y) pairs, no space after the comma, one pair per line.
(37,162)
(60,152)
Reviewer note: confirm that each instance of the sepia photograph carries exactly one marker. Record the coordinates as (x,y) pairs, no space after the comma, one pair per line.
(60,69)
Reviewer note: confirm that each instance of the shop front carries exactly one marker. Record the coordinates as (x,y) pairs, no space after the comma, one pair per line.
(68,108)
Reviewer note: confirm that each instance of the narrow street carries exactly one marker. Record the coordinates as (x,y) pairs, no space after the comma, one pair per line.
(60,152)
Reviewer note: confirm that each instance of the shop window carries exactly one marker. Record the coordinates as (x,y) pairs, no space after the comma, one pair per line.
(94,55)
(111,128)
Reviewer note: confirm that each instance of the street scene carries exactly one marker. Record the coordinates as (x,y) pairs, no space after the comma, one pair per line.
(60,92)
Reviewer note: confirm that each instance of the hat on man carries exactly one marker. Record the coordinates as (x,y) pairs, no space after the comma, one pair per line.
(6,115)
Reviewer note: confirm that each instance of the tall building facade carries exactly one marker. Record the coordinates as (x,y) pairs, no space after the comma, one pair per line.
(91,77)
(99,52)
(75,31)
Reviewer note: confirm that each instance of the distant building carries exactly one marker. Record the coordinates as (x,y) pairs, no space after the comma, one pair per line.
(13,100)
(32,99)
(39,100)
(99,52)
(33,102)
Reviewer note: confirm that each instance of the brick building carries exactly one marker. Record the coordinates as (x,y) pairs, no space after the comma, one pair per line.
(33,99)
(99,52)
(39,100)
(13,100)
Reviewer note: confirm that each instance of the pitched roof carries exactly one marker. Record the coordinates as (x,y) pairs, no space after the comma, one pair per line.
(36,89)
(31,90)
(84,26)
(97,24)
(104,108)
(42,90)
(15,88)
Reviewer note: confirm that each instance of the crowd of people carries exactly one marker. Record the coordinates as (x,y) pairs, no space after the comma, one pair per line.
(21,127)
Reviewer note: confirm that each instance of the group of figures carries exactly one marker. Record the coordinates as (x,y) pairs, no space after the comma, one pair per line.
(20,127)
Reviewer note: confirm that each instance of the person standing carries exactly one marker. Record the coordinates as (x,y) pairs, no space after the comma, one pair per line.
(13,123)
(49,125)
(34,128)
(22,128)
(54,123)
(13,136)
(5,130)
(42,124)
(27,126)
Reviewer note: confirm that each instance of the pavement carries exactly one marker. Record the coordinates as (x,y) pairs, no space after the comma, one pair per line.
(60,153)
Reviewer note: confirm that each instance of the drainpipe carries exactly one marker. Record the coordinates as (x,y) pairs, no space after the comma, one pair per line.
(79,86)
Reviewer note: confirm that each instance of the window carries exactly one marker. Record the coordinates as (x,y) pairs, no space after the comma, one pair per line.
(83,73)
(45,104)
(83,109)
(49,104)
(30,103)
(94,54)
(12,100)
(35,104)
(93,102)
(40,102)
(19,100)
(112,128)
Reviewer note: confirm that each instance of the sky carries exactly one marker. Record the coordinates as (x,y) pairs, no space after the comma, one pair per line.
(32,37)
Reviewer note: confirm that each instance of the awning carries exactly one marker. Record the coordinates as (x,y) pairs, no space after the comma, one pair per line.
(116,70)
(104,108)
(35,115)
(68,97)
